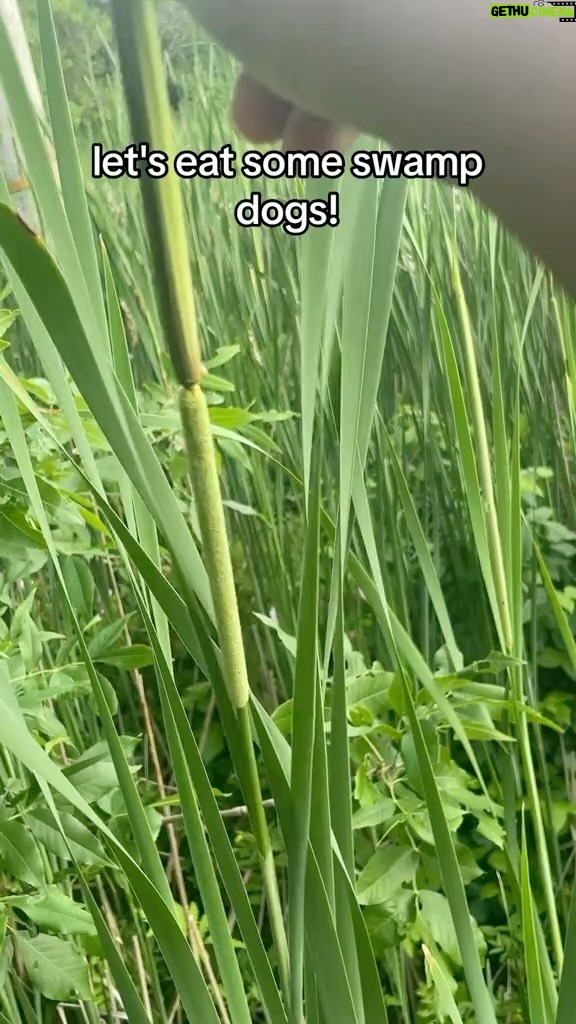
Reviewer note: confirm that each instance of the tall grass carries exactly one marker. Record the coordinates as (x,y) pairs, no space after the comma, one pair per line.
(403,551)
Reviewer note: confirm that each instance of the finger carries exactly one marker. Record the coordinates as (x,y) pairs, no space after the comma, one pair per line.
(258,114)
(305,132)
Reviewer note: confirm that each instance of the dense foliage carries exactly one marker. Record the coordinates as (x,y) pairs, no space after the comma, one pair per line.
(454,466)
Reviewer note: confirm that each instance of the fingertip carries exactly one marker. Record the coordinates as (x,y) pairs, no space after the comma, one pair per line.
(257,113)
(306,132)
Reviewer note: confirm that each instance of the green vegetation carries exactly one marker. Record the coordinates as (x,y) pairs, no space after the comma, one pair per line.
(384,831)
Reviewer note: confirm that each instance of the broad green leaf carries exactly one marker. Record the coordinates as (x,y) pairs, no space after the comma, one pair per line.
(56,912)
(385,874)
(135,656)
(19,854)
(439,925)
(81,585)
(81,843)
(54,967)
(375,814)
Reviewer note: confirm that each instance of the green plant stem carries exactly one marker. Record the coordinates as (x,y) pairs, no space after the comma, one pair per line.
(143,73)
(216,551)
(506,629)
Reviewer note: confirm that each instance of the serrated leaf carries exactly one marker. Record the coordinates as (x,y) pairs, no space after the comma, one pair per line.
(385,874)
(376,814)
(106,637)
(57,912)
(60,685)
(54,967)
(85,847)
(439,924)
(369,690)
(19,853)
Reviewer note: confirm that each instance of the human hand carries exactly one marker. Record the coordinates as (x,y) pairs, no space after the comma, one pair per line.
(311,65)
(441,76)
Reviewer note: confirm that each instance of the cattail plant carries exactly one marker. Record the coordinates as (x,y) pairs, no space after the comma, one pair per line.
(398,483)
(150,117)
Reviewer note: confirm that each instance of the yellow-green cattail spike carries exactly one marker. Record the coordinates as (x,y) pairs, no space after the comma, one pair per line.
(206,485)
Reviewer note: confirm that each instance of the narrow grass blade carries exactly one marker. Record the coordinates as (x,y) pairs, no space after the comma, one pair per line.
(535,993)
(45,188)
(425,559)
(367,299)
(69,168)
(304,709)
